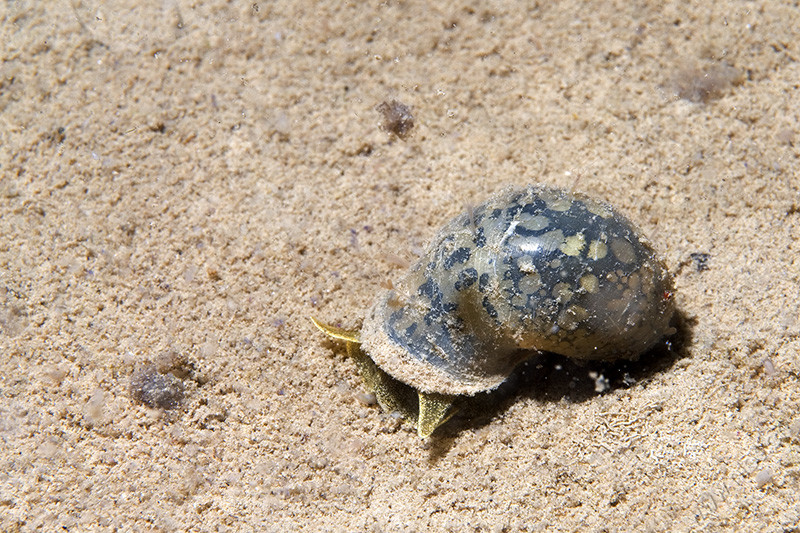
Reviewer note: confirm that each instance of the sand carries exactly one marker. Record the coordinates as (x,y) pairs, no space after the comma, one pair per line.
(185,183)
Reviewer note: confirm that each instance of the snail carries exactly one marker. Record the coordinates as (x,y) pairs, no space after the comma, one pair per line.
(533,269)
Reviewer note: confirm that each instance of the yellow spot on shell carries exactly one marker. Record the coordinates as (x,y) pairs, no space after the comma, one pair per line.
(597,250)
(590,283)
(596,208)
(573,245)
(536,223)
(555,200)
(562,292)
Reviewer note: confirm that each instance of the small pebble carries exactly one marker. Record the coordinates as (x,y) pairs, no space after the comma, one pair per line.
(601,383)
(701,84)
(156,390)
(764,477)
(397,118)
(700,261)
(367,398)
(769,367)
(94,409)
(794,429)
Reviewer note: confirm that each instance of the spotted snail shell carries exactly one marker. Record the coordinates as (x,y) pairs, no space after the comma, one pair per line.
(536,269)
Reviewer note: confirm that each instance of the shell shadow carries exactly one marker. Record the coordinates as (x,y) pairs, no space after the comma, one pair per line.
(551,378)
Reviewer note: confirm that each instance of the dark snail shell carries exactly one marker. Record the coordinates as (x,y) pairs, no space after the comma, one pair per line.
(532,269)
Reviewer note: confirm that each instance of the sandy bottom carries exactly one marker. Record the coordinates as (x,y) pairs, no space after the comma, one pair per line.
(185,183)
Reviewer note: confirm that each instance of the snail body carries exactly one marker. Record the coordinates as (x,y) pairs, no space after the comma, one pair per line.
(534,269)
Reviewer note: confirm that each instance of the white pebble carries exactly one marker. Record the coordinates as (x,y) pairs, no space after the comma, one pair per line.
(764,477)
(367,398)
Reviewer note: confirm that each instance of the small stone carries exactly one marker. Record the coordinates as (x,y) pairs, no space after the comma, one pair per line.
(397,118)
(764,477)
(156,390)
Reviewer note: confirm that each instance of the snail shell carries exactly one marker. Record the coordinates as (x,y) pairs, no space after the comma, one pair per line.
(531,270)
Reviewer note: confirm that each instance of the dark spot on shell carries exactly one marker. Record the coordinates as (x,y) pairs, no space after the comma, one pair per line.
(522,231)
(490,310)
(483,282)
(480,237)
(512,211)
(429,290)
(438,307)
(459,256)
(466,278)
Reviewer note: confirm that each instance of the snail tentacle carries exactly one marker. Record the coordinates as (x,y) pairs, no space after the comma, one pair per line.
(434,410)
